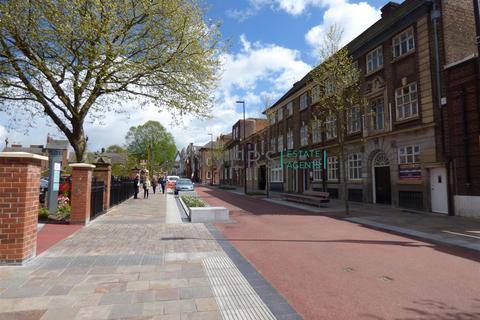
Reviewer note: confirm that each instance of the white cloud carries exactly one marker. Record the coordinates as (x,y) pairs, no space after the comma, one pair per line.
(259,70)
(354,18)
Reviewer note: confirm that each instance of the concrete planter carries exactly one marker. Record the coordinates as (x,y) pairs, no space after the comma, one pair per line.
(205,214)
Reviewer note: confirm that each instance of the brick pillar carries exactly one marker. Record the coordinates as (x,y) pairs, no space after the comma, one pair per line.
(81,193)
(103,172)
(19,192)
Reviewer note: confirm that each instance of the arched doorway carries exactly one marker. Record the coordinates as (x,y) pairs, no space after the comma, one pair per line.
(382,189)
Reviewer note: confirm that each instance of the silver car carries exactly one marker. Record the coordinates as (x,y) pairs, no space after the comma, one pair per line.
(183,185)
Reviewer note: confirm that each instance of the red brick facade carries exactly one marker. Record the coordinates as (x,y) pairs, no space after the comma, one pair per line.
(81,193)
(103,172)
(19,192)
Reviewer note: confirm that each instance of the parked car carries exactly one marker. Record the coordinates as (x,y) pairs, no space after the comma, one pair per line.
(171,182)
(183,185)
(43,189)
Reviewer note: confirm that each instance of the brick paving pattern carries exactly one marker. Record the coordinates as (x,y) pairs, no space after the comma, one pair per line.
(127,264)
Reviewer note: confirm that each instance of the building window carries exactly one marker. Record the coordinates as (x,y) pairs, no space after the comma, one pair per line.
(317,170)
(332,168)
(279,114)
(315,93)
(409,154)
(290,139)
(403,43)
(375,60)
(289,108)
(355,166)
(276,173)
(280,143)
(304,101)
(354,120)
(331,127)
(209,175)
(272,118)
(273,144)
(406,101)
(377,108)
(316,131)
(304,135)
(262,146)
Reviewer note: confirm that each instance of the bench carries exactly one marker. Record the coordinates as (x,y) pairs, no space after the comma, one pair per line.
(309,197)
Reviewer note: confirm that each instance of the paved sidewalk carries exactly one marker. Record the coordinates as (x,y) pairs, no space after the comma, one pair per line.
(138,261)
(438,228)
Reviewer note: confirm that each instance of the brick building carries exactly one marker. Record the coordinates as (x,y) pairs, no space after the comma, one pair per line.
(234,163)
(396,148)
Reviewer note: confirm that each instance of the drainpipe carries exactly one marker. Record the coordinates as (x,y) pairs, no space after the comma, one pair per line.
(435,16)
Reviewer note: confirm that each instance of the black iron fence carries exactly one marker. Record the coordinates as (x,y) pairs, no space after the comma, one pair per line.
(96,200)
(121,189)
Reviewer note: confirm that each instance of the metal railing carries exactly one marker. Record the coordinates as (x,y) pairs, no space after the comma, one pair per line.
(121,189)
(96,200)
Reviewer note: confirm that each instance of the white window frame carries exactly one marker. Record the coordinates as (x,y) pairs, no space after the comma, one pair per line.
(331,127)
(332,168)
(354,122)
(209,174)
(406,99)
(289,108)
(317,170)
(375,59)
(354,165)
(315,93)
(280,143)
(403,43)
(276,173)
(272,118)
(273,144)
(409,154)
(316,131)
(290,139)
(304,135)
(304,100)
(376,114)
(279,115)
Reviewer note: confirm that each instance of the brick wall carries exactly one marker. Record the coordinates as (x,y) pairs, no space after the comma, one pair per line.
(458,29)
(19,192)
(464,128)
(81,194)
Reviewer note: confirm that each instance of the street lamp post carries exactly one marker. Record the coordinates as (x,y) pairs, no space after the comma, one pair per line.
(244,151)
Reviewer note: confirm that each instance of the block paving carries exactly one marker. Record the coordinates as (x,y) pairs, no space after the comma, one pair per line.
(128,264)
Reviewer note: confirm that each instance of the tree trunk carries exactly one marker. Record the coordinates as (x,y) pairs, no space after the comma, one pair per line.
(344,179)
(78,141)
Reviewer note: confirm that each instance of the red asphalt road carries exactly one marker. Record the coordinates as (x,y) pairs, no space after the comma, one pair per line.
(50,234)
(332,269)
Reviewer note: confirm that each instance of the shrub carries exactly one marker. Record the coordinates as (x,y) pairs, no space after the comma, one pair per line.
(193,202)
(43,213)
(63,200)
(64,209)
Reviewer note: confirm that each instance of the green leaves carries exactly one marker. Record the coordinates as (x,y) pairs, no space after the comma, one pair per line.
(151,142)
(73,59)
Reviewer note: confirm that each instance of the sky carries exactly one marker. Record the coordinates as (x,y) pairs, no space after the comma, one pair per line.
(271,45)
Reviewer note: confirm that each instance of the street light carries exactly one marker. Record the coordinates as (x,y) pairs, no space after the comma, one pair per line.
(212,180)
(244,151)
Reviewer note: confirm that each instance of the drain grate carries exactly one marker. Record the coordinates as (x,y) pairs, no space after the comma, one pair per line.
(234,295)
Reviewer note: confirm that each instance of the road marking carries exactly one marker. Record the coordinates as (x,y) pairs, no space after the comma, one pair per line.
(461,234)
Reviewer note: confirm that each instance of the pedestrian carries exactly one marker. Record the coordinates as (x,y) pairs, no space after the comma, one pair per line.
(154,184)
(136,186)
(162,184)
(146,187)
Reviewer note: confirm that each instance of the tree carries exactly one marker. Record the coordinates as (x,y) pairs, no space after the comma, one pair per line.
(74,60)
(153,143)
(115,148)
(339,95)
